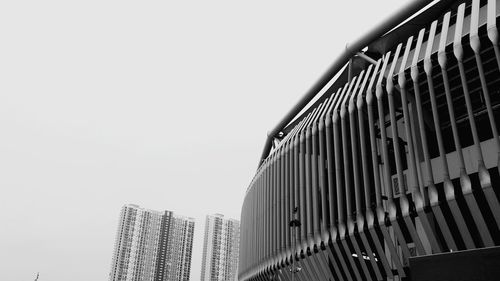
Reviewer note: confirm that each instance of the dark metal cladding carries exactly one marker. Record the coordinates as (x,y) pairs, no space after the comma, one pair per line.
(397,164)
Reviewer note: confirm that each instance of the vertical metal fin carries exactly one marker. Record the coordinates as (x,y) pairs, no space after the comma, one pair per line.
(437,128)
(484,176)
(380,212)
(464,178)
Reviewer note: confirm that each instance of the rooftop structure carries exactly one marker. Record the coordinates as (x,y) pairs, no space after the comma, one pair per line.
(396,160)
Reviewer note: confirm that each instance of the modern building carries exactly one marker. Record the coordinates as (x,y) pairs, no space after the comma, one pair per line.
(152,246)
(388,168)
(220,249)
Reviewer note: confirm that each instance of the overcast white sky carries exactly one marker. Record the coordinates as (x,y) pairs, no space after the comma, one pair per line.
(165,104)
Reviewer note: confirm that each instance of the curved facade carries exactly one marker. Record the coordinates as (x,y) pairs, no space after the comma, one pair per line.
(398,159)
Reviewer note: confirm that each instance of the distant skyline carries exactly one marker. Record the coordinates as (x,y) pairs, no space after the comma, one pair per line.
(158,103)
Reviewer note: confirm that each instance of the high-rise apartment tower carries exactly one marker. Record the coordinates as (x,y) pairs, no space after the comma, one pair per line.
(220,249)
(152,246)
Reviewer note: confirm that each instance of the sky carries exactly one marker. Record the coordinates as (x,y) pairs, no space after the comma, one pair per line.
(164,104)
